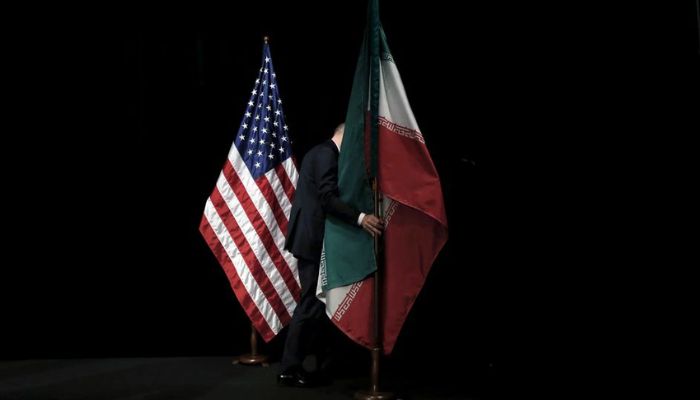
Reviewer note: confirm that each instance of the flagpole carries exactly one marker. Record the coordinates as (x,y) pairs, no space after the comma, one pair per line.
(253,358)
(374,71)
(374,393)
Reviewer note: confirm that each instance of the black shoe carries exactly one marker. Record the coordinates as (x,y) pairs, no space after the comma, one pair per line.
(298,378)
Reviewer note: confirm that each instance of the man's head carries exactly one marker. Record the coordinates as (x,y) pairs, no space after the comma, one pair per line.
(338,134)
(339,130)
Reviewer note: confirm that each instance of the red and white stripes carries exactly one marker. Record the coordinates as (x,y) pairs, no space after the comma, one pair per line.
(244,223)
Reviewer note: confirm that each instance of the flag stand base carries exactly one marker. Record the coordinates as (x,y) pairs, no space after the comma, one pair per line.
(369,395)
(373,393)
(253,358)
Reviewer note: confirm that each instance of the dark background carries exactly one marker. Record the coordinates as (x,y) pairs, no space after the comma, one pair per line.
(121,121)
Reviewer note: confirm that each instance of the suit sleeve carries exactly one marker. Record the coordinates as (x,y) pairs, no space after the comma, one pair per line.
(326,175)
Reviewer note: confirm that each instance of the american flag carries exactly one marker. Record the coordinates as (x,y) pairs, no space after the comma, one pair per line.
(246,215)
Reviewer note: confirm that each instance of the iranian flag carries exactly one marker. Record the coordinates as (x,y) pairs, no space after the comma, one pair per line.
(381,140)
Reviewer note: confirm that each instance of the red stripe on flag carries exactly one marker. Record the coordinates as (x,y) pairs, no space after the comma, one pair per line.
(356,318)
(407,174)
(262,230)
(406,267)
(249,256)
(238,288)
(285,181)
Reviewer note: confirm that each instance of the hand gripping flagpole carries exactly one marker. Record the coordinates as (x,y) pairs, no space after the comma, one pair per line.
(253,358)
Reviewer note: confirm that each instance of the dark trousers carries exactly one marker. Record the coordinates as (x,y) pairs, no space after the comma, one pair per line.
(307,332)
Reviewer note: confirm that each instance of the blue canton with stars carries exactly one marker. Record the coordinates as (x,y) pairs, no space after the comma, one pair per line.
(262,139)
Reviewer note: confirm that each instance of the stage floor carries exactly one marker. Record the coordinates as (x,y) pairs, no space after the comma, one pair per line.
(184,378)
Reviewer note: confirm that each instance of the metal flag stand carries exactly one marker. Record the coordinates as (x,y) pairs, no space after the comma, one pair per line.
(253,358)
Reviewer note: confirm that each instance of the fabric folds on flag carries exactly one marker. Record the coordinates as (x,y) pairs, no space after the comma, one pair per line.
(246,215)
(381,139)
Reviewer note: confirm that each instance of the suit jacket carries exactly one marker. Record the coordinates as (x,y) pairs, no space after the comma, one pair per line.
(316,195)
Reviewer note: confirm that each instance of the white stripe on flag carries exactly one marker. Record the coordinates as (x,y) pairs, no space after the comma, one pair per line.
(291,170)
(277,187)
(395,108)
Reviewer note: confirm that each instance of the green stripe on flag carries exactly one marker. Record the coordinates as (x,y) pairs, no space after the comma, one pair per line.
(348,250)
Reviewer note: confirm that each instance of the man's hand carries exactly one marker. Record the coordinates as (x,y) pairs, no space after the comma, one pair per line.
(372,224)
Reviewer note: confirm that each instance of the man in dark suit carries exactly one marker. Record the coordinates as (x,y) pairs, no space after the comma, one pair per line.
(316,196)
